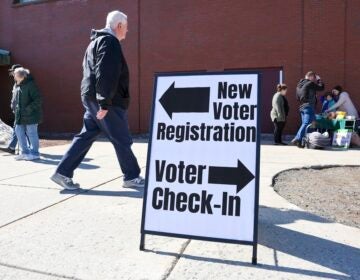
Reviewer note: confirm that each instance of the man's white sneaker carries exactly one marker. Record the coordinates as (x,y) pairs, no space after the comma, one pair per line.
(21,157)
(138,182)
(65,182)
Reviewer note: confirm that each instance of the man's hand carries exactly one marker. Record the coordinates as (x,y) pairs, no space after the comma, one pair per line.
(318,77)
(101,114)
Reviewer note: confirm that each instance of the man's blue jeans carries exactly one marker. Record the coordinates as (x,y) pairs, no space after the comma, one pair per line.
(27,133)
(307,117)
(116,129)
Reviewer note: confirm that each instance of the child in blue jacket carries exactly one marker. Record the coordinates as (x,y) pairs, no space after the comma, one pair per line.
(328,101)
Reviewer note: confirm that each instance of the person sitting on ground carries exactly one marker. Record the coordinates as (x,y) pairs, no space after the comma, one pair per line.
(344,103)
(279,112)
(328,102)
(28,114)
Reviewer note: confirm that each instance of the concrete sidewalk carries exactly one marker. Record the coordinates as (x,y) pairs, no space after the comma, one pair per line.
(46,233)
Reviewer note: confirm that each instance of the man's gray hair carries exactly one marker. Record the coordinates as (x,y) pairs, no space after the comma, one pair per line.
(114,18)
(22,72)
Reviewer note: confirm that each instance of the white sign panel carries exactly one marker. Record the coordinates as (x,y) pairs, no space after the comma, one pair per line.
(203,157)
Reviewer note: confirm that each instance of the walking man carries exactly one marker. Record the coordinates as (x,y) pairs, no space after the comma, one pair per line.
(306,95)
(105,97)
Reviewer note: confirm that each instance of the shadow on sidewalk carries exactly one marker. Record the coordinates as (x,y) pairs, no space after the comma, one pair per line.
(138,193)
(49,159)
(299,271)
(333,255)
(330,254)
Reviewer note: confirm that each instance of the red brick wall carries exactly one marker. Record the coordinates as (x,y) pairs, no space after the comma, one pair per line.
(216,35)
(50,39)
(324,37)
(297,35)
(352,47)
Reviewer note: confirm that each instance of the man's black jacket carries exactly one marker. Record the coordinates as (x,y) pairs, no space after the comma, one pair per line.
(105,72)
(306,92)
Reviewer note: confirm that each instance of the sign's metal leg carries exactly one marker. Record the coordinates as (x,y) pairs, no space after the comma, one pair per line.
(142,242)
(254,256)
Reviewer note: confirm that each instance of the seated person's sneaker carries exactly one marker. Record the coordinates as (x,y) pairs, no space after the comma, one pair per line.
(65,182)
(138,182)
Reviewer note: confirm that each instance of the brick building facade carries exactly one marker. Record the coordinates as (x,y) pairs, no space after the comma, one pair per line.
(49,38)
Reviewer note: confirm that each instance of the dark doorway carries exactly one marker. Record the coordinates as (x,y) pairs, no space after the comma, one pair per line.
(5,95)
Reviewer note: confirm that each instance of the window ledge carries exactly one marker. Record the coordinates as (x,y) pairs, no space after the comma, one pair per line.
(35,2)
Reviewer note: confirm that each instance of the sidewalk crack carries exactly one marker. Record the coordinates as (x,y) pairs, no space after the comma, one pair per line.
(56,203)
(175,262)
(38,271)
(30,187)
(61,201)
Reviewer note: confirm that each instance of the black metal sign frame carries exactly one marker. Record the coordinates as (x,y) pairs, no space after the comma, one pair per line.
(257,172)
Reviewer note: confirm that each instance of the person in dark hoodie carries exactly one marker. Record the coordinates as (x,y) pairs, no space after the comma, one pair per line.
(28,114)
(105,97)
(306,95)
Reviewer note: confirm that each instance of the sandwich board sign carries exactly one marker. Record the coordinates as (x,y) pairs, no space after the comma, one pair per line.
(202,177)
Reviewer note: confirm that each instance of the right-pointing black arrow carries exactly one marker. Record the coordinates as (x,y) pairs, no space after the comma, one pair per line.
(239,176)
(185,100)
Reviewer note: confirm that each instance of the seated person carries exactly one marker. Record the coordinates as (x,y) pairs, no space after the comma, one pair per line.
(328,102)
(344,103)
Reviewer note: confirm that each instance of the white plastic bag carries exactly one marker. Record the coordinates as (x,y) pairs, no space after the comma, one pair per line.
(6,133)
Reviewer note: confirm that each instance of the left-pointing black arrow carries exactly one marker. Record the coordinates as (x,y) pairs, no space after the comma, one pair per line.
(185,100)
(239,176)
